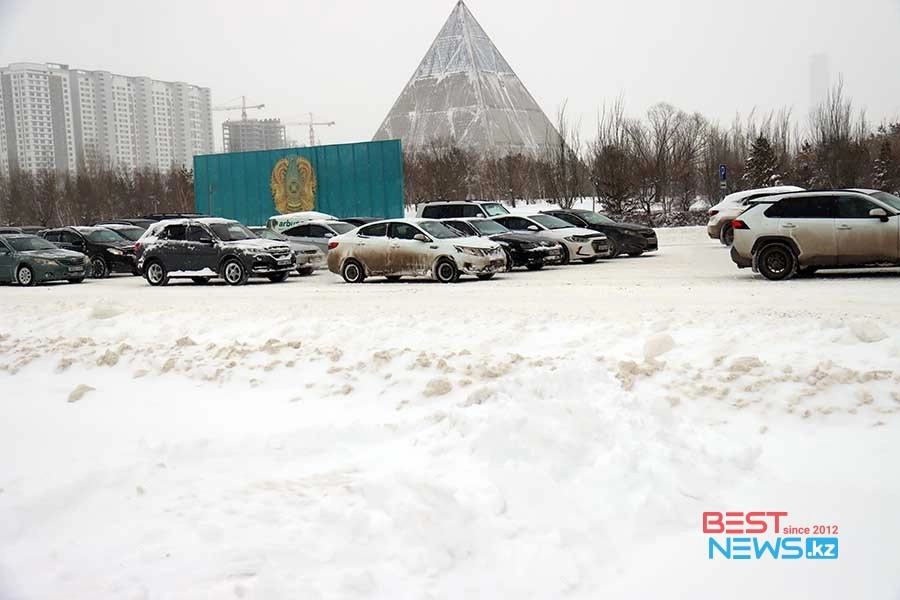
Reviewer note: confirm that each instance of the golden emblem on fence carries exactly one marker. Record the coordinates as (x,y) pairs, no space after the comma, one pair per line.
(293,185)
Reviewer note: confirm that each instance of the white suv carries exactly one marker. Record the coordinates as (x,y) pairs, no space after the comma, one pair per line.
(797,234)
(722,214)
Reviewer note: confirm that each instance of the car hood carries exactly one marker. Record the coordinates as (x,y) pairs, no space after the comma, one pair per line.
(124,246)
(256,244)
(569,231)
(516,237)
(52,254)
(631,227)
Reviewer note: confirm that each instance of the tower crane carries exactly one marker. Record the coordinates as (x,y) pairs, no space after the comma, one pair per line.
(243,106)
(312,123)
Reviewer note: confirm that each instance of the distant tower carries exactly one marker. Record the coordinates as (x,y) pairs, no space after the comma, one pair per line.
(819,79)
(465,90)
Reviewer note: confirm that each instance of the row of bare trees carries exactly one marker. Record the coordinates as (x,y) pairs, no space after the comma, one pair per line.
(663,162)
(50,199)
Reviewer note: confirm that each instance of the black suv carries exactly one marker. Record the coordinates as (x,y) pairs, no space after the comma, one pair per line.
(206,248)
(521,249)
(624,238)
(108,251)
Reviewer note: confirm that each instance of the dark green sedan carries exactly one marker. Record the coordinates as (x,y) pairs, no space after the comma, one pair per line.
(28,259)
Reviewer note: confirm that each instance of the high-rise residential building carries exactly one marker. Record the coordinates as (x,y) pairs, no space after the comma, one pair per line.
(53,117)
(253,134)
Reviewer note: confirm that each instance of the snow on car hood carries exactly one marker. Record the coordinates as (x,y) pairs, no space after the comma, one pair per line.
(474,242)
(570,231)
(257,244)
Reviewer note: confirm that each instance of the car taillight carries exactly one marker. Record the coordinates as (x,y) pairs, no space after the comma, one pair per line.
(332,245)
(739,225)
(713,213)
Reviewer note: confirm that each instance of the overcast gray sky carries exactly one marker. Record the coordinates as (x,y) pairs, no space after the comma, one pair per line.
(347,60)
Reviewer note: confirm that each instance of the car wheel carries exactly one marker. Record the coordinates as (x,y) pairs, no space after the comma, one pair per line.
(76,280)
(726,236)
(509,260)
(156,274)
(353,272)
(589,261)
(446,272)
(234,273)
(777,262)
(613,247)
(25,276)
(305,271)
(278,277)
(535,266)
(635,254)
(563,254)
(201,280)
(100,269)
(485,276)
(393,278)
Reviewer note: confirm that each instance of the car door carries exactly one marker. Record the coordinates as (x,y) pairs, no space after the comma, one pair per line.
(864,239)
(69,240)
(172,248)
(7,258)
(372,248)
(201,249)
(408,256)
(301,234)
(810,222)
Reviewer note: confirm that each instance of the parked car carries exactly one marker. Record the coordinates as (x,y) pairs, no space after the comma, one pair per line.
(722,214)
(414,248)
(32,229)
(460,209)
(521,249)
(309,258)
(317,233)
(282,223)
(576,243)
(799,233)
(10,230)
(166,216)
(108,251)
(132,233)
(624,238)
(360,221)
(28,259)
(202,249)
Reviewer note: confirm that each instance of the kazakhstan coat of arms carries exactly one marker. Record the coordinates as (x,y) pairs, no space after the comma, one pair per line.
(293,185)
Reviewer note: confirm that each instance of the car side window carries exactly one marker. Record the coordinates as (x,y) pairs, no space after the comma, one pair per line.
(472,211)
(571,219)
(516,223)
(52,236)
(462,227)
(317,231)
(174,233)
(812,207)
(195,233)
(433,212)
(67,237)
(377,230)
(402,231)
(298,231)
(854,207)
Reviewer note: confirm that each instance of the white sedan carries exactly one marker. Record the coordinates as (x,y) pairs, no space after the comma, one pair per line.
(412,248)
(577,244)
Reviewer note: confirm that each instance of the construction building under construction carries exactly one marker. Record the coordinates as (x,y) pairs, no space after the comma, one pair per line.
(247,135)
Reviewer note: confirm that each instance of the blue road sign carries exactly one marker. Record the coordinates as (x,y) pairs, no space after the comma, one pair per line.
(723,173)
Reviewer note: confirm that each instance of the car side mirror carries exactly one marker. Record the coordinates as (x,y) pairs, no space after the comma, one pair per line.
(328,236)
(421,238)
(879,213)
(533,228)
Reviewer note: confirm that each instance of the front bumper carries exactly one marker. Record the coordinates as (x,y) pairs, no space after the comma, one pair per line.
(267,265)
(61,272)
(741,261)
(479,265)
(125,263)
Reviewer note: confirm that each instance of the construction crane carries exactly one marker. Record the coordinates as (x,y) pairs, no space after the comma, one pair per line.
(243,106)
(312,127)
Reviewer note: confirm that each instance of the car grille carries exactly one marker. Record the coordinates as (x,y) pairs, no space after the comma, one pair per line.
(650,235)
(600,245)
(310,252)
(71,262)
(280,252)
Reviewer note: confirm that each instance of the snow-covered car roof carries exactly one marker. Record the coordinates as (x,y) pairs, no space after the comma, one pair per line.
(738,197)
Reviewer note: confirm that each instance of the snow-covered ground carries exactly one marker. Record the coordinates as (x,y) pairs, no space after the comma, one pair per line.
(544,435)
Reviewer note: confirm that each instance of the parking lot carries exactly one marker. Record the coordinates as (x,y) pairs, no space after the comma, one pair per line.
(575,421)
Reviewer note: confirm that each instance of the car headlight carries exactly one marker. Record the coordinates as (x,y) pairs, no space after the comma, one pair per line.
(470,251)
(85,259)
(115,252)
(577,239)
(46,262)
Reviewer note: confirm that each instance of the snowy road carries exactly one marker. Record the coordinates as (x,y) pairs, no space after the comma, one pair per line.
(544,435)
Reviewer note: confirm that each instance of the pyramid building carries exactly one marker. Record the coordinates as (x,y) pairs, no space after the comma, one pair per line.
(465,91)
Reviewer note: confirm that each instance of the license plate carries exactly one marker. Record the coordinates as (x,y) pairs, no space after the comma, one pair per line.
(75,269)
(284,261)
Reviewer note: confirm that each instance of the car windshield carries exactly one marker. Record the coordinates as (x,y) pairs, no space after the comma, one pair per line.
(550,222)
(32,242)
(439,231)
(342,228)
(488,227)
(232,232)
(132,234)
(889,199)
(596,218)
(494,209)
(103,236)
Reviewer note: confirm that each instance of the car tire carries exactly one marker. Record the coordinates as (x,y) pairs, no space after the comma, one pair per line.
(635,254)
(156,273)
(485,276)
(305,271)
(201,280)
(25,276)
(509,260)
(535,266)
(393,278)
(278,277)
(563,254)
(353,272)
(76,280)
(776,262)
(445,271)
(613,247)
(100,270)
(726,236)
(234,273)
